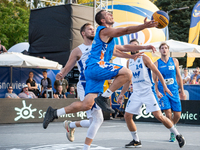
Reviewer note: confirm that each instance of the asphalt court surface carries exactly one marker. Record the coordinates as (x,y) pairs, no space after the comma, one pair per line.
(112,135)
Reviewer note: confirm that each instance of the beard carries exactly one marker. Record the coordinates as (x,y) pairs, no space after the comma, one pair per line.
(132,53)
(90,38)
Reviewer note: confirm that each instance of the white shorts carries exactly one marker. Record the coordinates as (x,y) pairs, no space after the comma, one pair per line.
(81,94)
(139,97)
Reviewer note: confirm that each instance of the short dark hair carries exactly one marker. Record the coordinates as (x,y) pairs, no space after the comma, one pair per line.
(163,44)
(98,17)
(83,27)
(44,71)
(133,40)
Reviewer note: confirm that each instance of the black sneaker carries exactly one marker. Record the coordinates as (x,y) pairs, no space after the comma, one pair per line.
(181,140)
(50,115)
(103,103)
(134,143)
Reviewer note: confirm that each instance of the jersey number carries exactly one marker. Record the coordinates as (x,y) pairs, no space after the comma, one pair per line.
(138,66)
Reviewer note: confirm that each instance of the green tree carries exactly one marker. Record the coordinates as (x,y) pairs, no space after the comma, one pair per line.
(179,23)
(14,22)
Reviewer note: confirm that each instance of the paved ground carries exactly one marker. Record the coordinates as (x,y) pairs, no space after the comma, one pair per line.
(112,135)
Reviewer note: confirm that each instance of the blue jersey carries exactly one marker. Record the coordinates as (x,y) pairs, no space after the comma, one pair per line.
(168,71)
(100,51)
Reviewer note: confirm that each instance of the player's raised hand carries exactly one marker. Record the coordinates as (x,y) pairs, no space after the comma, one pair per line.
(151,47)
(136,55)
(120,99)
(59,76)
(150,24)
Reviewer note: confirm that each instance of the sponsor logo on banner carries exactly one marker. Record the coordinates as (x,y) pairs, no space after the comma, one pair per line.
(27,112)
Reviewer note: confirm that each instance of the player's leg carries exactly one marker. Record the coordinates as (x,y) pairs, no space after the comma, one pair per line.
(121,75)
(77,106)
(97,120)
(133,107)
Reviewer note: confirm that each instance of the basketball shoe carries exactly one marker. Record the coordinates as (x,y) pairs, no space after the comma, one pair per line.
(50,115)
(181,140)
(70,131)
(134,143)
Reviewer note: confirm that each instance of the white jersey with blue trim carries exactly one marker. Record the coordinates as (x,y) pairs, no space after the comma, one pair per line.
(142,77)
(85,49)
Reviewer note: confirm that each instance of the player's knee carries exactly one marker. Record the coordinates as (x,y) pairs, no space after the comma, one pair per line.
(86,106)
(129,74)
(127,116)
(159,116)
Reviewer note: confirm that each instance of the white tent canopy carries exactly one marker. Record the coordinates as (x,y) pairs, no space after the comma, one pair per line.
(20,47)
(178,48)
(15,59)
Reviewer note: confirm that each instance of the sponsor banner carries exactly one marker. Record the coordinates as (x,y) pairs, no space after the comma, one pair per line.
(33,110)
(192,92)
(190,113)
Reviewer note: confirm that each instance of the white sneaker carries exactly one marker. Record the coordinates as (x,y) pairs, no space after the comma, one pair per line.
(70,131)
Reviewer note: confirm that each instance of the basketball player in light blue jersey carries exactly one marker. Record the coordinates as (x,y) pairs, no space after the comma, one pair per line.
(169,68)
(144,93)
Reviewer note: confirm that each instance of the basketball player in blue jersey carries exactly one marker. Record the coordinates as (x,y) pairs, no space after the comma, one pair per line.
(144,93)
(169,68)
(98,69)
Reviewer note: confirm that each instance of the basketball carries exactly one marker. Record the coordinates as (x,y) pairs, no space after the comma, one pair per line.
(161,17)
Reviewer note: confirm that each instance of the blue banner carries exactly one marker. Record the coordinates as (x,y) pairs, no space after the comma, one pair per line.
(192,92)
(19,77)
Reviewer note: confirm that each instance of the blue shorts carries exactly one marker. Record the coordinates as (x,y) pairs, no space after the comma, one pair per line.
(170,102)
(96,75)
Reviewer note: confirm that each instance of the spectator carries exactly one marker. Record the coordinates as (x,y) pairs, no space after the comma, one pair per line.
(44,82)
(62,82)
(71,91)
(25,93)
(199,81)
(49,93)
(59,93)
(194,80)
(185,76)
(2,48)
(10,93)
(196,72)
(32,86)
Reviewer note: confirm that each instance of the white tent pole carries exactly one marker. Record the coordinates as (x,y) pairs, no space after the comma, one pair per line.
(11,70)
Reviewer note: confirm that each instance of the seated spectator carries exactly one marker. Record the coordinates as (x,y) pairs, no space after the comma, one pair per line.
(71,92)
(49,93)
(44,82)
(10,93)
(185,76)
(194,80)
(196,72)
(62,82)
(199,81)
(2,48)
(59,93)
(32,86)
(25,93)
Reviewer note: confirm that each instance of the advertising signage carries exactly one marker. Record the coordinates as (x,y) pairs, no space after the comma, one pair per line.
(33,110)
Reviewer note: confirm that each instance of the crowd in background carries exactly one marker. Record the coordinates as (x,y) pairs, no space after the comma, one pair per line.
(193,78)
(30,89)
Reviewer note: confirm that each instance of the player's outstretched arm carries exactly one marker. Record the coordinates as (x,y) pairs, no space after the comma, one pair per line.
(157,73)
(133,48)
(116,32)
(121,54)
(74,56)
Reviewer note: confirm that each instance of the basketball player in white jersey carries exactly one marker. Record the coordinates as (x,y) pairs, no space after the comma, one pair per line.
(144,93)
(80,55)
